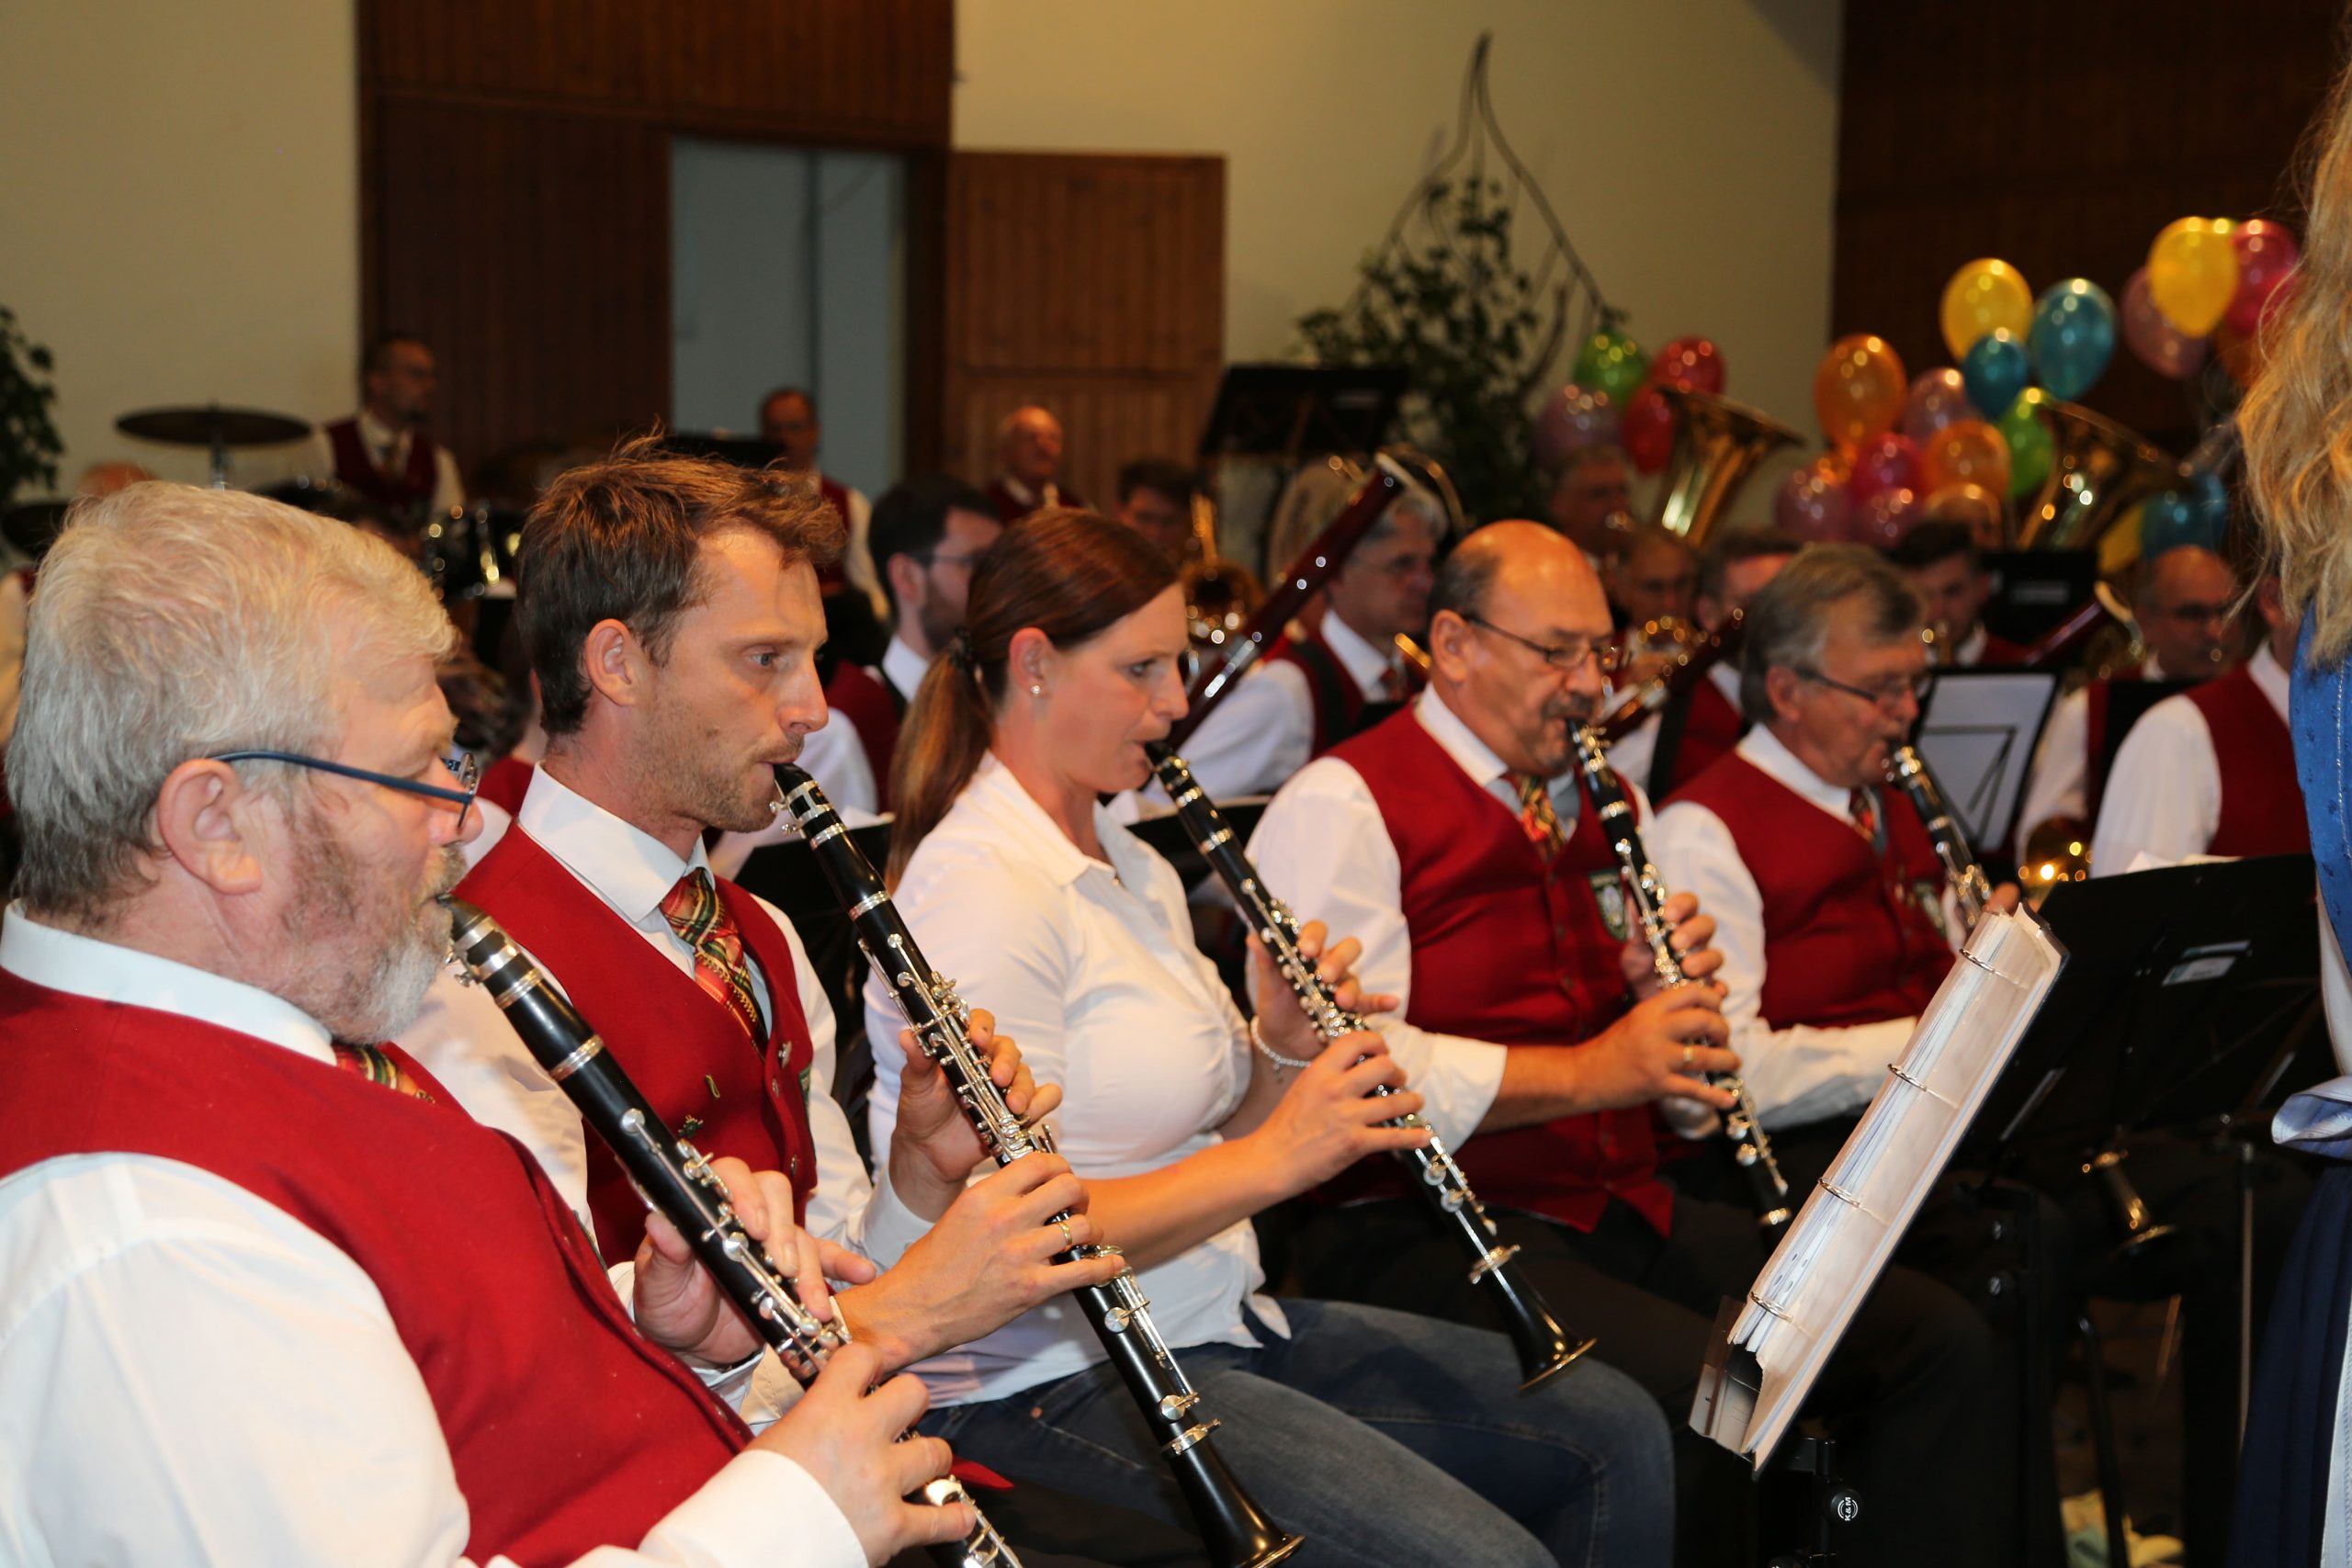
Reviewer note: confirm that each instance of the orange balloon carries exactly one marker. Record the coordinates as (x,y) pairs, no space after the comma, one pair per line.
(1967,451)
(1972,506)
(1859,390)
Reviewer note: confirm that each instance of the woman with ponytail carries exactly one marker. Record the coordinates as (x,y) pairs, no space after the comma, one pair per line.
(1378,1436)
(2294,1500)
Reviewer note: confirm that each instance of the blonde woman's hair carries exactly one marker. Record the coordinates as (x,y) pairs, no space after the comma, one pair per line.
(2296,421)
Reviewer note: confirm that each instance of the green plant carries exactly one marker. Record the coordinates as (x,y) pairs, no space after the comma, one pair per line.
(1474,332)
(28,443)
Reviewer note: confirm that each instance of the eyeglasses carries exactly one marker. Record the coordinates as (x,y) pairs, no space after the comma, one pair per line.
(1888,697)
(461,766)
(1567,656)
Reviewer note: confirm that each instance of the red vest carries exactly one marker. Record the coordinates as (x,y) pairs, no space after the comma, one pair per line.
(1507,949)
(1848,937)
(679,1045)
(1010,508)
(410,491)
(860,697)
(2262,805)
(567,1428)
(1339,708)
(506,782)
(2000,653)
(1710,729)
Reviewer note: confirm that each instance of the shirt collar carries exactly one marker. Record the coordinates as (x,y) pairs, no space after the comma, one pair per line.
(1970,648)
(1364,663)
(903,667)
(627,868)
(1021,824)
(2271,677)
(377,436)
(1763,750)
(1032,498)
(1454,738)
(105,972)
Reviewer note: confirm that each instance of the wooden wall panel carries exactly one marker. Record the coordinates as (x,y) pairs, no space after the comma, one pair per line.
(1092,283)
(2060,137)
(532,250)
(837,72)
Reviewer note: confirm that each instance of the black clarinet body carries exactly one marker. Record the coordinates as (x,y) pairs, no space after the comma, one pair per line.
(1236,1530)
(1751,1150)
(1546,1348)
(677,1181)
(1971,889)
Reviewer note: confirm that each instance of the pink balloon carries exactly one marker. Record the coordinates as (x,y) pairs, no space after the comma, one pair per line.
(1937,399)
(2266,256)
(1882,520)
(1885,462)
(1573,419)
(1694,363)
(2160,346)
(1812,504)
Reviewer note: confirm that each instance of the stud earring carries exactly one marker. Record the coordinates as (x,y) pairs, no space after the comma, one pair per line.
(1038,689)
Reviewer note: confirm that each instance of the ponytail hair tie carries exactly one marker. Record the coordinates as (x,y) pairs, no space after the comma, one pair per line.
(959,649)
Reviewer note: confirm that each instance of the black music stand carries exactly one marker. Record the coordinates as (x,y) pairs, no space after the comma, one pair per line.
(2032,590)
(1978,733)
(1289,411)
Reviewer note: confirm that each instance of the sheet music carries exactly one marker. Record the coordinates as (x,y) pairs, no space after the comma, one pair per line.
(1978,734)
(1851,1222)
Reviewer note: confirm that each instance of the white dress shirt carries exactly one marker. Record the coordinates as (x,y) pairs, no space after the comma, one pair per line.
(189,1374)
(2164,796)
(389,449)
(1800,1074)
(1632,756)
(902,668)
(1263,731)
(2059,783)
(1090,966)
(1323,849)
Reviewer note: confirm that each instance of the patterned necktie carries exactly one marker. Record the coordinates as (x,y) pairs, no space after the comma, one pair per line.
(693,909)
(1536,816)
(1862,811)
(378,1067)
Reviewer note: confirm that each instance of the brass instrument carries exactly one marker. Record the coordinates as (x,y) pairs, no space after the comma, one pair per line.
(1717,444)
(2140,1232)
(1220,593)
(1645,891)
(1689,662)
(2101,469)
(1970,890)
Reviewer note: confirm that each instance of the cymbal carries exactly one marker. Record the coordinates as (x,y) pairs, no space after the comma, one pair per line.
(213,425)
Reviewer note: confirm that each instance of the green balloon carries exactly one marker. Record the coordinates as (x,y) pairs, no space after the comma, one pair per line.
(2031,451)
(1614,364)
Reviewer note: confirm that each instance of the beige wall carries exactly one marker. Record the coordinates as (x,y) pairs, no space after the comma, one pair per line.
(1688,146)
(179,208)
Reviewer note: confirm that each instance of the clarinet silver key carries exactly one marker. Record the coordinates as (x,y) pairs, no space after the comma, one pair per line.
(1971,889)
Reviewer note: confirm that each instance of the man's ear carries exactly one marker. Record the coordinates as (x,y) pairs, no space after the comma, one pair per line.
(1780,689)
(902,574)
(211,826)
(1450,638)
(615,665)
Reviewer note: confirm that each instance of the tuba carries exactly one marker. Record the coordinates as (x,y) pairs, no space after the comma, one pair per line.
(1717,444)
(2101,469)
(1220,593)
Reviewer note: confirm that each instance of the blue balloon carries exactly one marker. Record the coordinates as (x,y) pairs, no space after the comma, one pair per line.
(2168,521)
(1995,372)
(2211,498)
(2073,337)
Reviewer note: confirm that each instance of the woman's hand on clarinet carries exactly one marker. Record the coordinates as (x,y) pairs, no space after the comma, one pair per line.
(845,1433)
(1287,1028)
(678,1305)
(1327,1118)
(933,1148)
(989,1259)
(1692,933)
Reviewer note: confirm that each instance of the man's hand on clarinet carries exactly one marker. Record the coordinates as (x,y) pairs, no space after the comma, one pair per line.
(845,1433)
(1692,933)
(933,1148)
(1659,1049)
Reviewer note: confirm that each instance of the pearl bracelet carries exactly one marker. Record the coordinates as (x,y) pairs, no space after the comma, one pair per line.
(1276,1057)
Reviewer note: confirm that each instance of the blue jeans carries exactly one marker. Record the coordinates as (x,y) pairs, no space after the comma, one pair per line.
(1382,1437)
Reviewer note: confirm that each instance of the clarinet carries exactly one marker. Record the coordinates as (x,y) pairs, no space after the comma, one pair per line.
(1546,1348)
(1236,1530)
(676,1180)
(1971,889)
(1751,1150)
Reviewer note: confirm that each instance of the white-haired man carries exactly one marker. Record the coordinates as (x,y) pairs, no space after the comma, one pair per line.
(259,1308)
(1029,462)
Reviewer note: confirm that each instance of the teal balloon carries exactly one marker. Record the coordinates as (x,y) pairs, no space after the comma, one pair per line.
(2031,451)
(1995,371)
(2211,498)
(2169,521)
(2073,337)
(1611,363)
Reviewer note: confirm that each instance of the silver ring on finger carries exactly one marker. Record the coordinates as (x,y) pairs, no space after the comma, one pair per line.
(1686,1057)
(1069,1241)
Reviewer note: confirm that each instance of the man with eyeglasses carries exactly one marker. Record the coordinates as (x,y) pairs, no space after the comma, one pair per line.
(239,1230)
(2183,605)
(1310,692)
(1454,842)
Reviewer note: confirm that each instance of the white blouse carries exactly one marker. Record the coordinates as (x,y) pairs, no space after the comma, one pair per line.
(1090,967)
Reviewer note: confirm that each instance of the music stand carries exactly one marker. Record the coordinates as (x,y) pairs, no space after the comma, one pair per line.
(2034,590)
(1978,735)
(1289,411)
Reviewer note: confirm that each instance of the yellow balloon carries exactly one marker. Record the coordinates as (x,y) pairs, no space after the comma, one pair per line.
(2192,273)
(1981,296)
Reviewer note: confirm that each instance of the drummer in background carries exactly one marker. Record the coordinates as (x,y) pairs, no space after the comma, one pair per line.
(1702,721)
(1591,502)
(2182,607)
(384,452)
(1944,566)
(2210,771)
